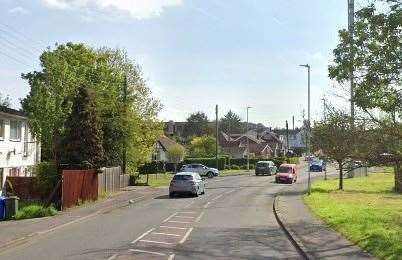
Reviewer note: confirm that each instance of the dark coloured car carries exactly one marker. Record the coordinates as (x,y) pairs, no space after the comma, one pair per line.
(317,166)
(265,168)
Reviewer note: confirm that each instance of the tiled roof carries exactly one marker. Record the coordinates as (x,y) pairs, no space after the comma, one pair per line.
(11,111)
(166,142)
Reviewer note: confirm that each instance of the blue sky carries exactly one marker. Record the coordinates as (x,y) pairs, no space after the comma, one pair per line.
(194,54)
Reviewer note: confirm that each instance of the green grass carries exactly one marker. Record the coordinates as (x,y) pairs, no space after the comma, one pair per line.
(235,172)
(33,209)
(155,180)
(367,212)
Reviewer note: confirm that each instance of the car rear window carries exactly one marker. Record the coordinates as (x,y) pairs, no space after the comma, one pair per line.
(262,164)
(183,178)
(285,169)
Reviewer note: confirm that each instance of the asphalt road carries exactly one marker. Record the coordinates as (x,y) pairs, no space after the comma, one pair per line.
(233,220)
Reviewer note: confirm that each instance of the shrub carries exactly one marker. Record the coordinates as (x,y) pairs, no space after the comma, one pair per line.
(35,211)
(235,167)
(227,167)
(152,167)
(252,166)
(293,160)
(210,162)
(243,167)
(47,175)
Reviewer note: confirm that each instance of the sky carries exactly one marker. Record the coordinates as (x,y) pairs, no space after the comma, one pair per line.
(194,54)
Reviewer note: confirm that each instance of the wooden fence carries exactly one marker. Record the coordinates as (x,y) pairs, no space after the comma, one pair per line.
(24,187)
(78,186)
(111,180)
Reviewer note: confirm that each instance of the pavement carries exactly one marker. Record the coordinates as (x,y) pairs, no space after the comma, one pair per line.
(313,237)
(233,220)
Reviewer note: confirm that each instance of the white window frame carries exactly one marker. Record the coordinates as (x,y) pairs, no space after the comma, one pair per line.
(19,130)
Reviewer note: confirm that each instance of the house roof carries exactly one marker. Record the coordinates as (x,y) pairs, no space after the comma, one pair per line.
(166,142)
(11,111)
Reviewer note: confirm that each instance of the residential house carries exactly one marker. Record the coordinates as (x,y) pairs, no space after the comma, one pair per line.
(297,137)
(19,151)
(162,146)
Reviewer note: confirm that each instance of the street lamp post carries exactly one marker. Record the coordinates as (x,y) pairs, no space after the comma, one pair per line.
(308,126)
(248,147)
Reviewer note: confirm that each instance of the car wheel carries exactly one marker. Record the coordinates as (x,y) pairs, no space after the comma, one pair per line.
(256,174)
(210,175)
(171,194)
(276,180)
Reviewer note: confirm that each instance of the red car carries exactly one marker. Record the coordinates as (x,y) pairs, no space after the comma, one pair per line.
(286,174)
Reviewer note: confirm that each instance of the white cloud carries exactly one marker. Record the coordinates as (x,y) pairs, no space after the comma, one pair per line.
(139,9)
(18,10)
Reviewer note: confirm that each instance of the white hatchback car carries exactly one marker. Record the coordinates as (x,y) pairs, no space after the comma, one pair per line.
(187,182)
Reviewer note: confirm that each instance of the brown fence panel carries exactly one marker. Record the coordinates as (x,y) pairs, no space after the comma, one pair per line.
(79,186)
(24,187)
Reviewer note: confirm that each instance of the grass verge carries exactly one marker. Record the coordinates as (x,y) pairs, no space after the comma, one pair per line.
(32,209)
(155,180)
(235,172)
(367,212)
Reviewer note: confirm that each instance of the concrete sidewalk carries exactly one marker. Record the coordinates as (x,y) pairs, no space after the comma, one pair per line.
(17,232)
(314,237)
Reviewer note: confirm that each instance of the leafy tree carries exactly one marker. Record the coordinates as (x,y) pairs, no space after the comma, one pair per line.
(123,102)
(374,54)
(336,138)
(231,123)
(203,146)
(176,154)
(83,139)
(197,125)
(5,101)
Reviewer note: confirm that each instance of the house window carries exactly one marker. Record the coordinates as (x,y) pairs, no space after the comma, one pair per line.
(15,130)
(1,129)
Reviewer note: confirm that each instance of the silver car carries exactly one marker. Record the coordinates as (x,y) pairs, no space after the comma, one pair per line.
(187,182)
(202,170)
(265,167)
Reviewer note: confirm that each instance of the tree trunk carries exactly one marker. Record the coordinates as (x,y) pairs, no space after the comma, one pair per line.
(340,176)
(398,177)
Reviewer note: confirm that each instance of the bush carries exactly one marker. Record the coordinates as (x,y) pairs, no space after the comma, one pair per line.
(293,160)
(243,167)
(35,211)
(210,162)
(152,167)
(47,175)
(227,167)
(235,167)
(252,166)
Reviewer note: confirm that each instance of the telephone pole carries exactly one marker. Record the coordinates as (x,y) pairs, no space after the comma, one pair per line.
(125,114)
(351,25)
(248,144)
(217,136)
(287,136)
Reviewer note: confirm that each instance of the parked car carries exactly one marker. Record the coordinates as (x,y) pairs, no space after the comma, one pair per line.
(187,183)
(287,173)
(317,166)
(202,170)
(265,167)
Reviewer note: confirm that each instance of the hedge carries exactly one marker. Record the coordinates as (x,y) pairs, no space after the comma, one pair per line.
(243,161)
(152,167)
(210,162)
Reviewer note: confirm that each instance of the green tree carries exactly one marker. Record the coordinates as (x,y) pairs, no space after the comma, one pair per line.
(374,54)
(203,146)
(231,123)
(197,125)
(5,101)
(176,154)
(84,137)
(336,138)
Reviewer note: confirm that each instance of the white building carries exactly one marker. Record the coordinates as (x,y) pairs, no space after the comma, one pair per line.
(19,151)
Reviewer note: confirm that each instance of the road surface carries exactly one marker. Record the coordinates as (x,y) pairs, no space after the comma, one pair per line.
(233,220)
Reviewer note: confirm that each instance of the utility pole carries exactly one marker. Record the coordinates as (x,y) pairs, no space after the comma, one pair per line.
(217,136)
(293,123)
(351,23)
(308,126)
(248,144)
(287,136)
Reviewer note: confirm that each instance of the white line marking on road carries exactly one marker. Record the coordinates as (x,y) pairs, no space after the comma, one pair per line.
(217,197)
(155,242)
(171,216)
(188,205)
(187,212)
(171,257)
(186,236)
(182,228)
(147,252)
(143,235)
(207,205)
(199,217)
(182,222)
(112,257)
(165,234)
(183,217)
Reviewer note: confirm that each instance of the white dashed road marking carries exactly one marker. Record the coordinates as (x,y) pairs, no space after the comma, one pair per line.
(186,236)
(165,234)
(147,252)
(143,235)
